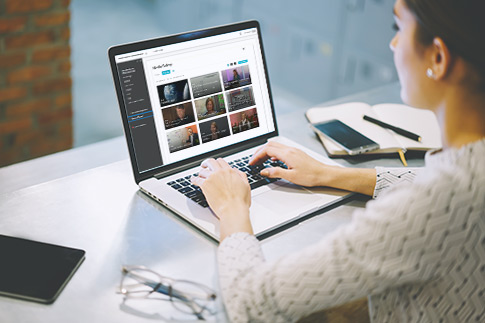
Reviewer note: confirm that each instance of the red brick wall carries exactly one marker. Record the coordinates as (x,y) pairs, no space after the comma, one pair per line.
(35,81)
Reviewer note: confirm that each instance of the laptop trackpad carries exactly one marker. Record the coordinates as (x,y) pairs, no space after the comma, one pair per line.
(285,198)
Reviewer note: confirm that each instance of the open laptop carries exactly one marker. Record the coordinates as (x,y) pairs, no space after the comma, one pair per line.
(201,94)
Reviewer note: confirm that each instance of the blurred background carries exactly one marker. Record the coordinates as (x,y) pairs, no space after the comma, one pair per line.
(56,90)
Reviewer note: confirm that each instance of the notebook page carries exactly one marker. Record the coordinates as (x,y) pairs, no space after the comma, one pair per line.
(419,121)
(352,115)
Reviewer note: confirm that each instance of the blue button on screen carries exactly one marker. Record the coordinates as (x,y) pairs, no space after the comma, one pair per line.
(242,62)
(166,72)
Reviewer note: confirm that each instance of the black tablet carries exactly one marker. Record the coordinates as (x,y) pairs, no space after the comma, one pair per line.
(34,270)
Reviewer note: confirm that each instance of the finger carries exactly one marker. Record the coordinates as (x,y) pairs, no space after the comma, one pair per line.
(259,156)
(256,152)
(276,172)
(225,165)
(204,163)
(196,180)
(262,154)
(205,172)
(210,163)
(222,163)
(270,150)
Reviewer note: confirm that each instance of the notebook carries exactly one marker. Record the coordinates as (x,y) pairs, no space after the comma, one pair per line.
(418,121)
(201,94)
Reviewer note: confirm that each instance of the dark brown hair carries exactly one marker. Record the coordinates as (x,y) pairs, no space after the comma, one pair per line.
(460,23)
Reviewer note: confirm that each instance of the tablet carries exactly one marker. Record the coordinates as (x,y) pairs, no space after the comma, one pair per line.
(35,271)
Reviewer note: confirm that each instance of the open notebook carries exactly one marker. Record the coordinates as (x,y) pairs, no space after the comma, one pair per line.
(421,122)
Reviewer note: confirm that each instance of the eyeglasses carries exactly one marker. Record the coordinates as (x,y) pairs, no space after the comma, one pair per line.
(139,282)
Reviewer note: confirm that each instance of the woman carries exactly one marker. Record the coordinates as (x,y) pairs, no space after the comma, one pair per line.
(235,76)
(209,107)
(418,250)
(214,131)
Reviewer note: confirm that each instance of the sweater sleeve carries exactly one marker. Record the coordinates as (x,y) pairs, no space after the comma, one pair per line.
(387,177)
(373,253)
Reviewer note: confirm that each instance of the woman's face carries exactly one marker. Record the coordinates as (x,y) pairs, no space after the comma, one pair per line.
(410,58)
(209,106)
(213,128)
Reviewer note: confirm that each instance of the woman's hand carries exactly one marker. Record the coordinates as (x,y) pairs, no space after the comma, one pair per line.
(228,193)
(306,171)
(302,169)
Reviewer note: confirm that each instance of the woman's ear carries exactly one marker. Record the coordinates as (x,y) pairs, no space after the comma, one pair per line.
(440,59)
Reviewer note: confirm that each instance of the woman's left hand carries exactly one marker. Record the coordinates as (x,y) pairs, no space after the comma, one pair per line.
(228,193)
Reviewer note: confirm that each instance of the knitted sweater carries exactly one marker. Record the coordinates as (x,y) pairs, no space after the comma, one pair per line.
(417,251)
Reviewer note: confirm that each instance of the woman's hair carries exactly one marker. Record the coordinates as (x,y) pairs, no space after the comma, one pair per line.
(460,23)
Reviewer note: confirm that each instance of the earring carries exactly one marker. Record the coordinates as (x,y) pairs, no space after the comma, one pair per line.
(430,73)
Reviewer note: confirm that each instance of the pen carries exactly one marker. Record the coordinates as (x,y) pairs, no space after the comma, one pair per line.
(397,130)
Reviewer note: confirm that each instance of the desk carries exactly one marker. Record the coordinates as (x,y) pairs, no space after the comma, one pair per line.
(98,208)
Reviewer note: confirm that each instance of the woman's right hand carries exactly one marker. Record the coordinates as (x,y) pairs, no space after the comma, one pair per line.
(307,171)
(302,169)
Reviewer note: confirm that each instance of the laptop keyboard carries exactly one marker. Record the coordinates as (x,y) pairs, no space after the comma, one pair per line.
(184,186)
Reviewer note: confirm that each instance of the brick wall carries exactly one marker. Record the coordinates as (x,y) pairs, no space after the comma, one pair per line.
(35,82)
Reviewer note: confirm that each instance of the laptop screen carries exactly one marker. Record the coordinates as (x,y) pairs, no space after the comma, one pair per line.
(192,97)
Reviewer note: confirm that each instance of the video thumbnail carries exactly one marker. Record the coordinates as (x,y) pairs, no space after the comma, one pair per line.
(206,84)
(178,115)
(244,120)
(210,107)
(173,92)
(240,99)
(214,129)
(183,138)
(236,77)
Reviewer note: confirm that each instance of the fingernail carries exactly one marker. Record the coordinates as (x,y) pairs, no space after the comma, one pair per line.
(265,172)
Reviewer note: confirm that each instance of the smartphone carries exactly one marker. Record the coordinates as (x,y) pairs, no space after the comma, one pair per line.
(352,141)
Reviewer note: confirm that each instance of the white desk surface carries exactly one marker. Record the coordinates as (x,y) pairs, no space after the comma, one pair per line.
(86,198)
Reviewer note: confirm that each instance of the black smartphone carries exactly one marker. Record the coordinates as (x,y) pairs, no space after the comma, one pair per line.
(35,271)
(352,141)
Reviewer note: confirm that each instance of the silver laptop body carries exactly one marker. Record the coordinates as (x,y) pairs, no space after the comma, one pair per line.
(188,97)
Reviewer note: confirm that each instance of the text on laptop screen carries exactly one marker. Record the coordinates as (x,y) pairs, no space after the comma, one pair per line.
(186,99)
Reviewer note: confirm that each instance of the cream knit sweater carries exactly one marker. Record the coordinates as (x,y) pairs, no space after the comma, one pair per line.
(417,251)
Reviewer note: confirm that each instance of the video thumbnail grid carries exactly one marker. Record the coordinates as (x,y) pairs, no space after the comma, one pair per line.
(204,116)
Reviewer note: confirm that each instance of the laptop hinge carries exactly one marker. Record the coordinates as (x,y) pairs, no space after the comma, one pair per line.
(197,162)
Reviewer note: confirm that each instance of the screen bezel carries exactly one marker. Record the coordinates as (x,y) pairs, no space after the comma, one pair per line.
(174,39)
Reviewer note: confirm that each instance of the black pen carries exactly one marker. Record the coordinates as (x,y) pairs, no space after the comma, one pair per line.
(400,131)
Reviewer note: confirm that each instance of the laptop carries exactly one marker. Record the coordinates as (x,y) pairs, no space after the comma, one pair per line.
(201,94)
